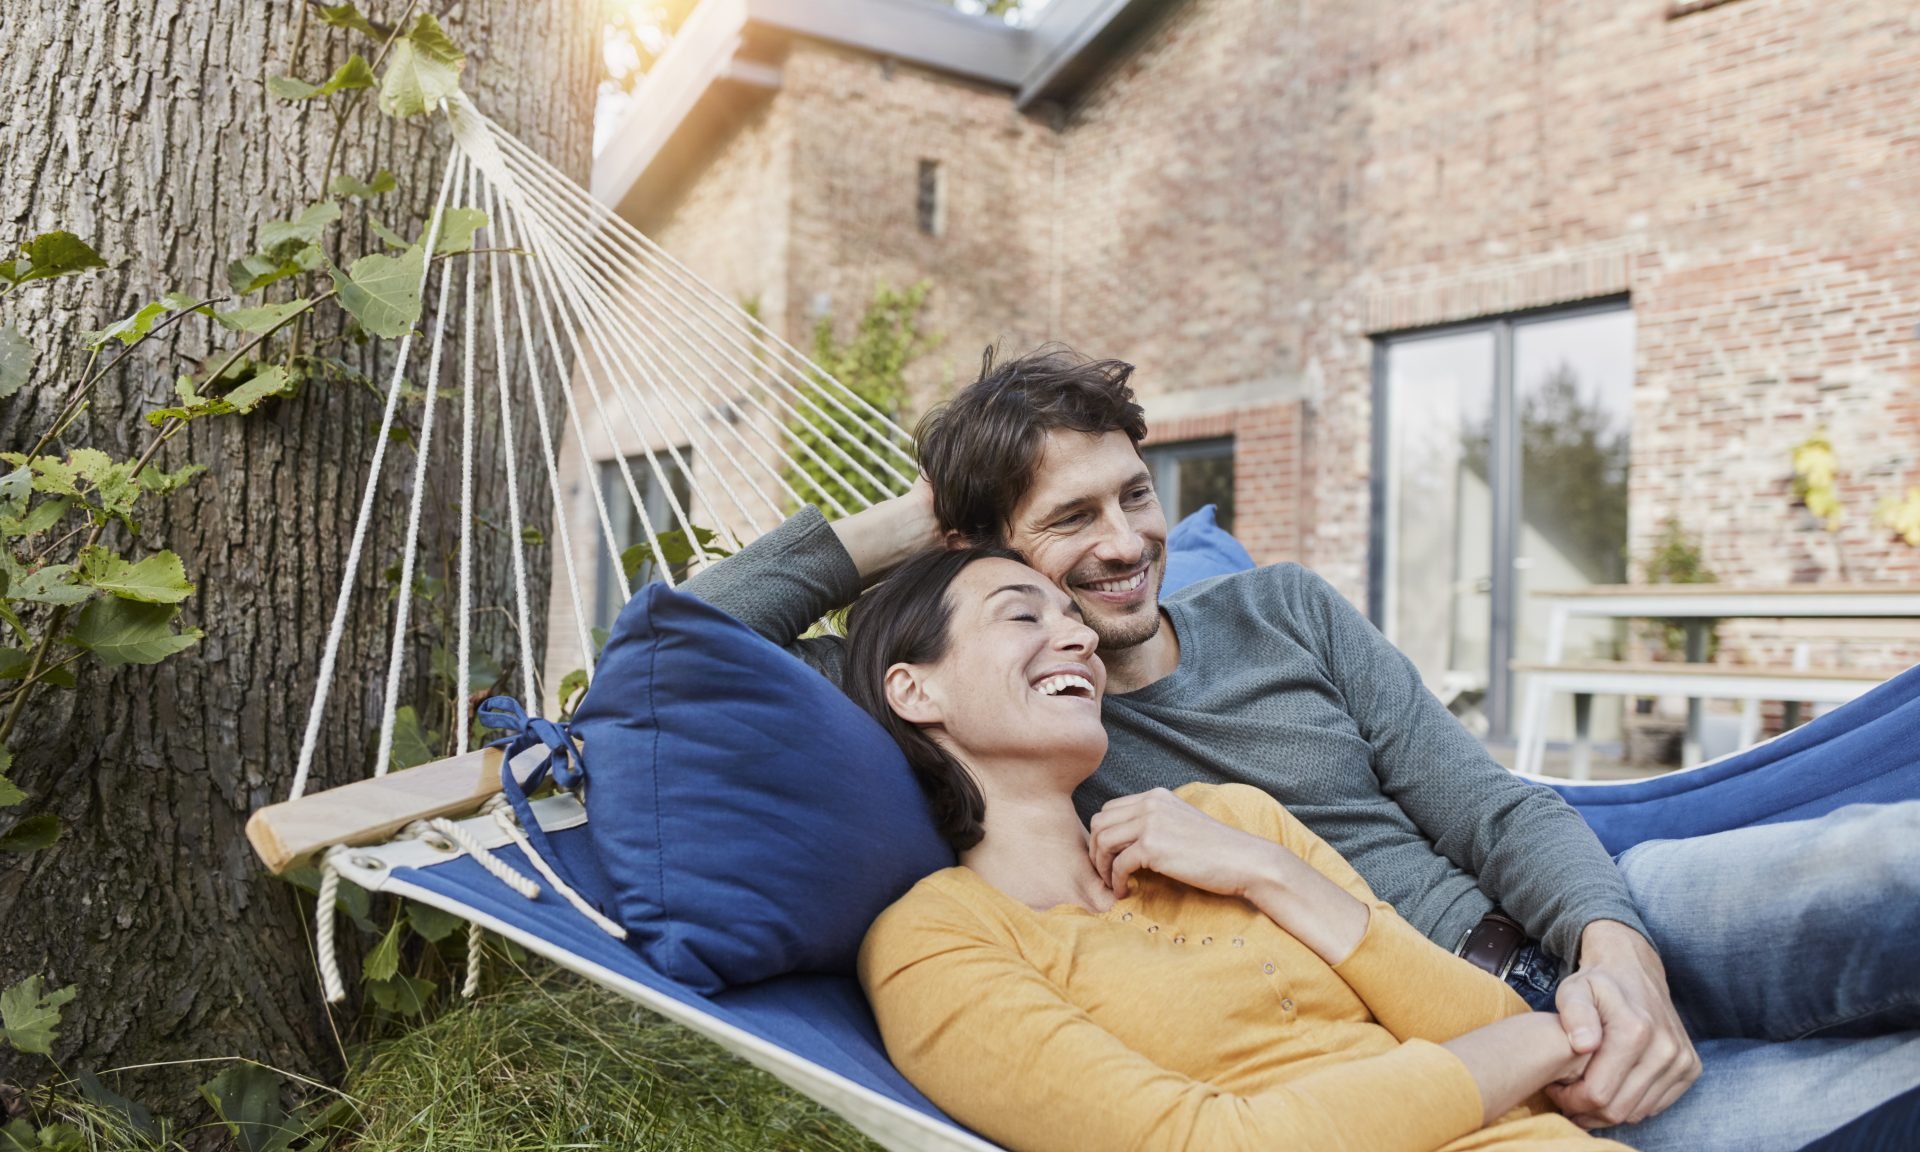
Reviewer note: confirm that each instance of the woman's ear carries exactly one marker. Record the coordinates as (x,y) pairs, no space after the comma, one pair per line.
(907,695)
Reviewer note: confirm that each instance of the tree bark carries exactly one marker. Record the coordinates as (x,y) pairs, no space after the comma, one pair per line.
(147,130)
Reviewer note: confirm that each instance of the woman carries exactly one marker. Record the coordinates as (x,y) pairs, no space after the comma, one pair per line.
(1197,971)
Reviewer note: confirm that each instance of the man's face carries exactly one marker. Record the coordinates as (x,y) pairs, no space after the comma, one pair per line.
(1090,522)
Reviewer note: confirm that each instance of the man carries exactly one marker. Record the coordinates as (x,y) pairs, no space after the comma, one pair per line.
(1271,678)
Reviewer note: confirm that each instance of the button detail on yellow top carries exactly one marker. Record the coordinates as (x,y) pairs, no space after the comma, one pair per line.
(1126,915)
(1268,968)
(1152,928)
(1206,939)
(1179,939)
(1287,1003)
(1237,941)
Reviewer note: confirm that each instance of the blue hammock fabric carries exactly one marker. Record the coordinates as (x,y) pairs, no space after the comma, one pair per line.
(1867,750)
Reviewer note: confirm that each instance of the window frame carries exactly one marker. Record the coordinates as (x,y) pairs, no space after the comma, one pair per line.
(1163,462)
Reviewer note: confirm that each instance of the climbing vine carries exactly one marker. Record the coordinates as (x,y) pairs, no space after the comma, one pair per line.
(76,584)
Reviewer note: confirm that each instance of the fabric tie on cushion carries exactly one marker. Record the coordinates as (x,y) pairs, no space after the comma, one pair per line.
(564,763)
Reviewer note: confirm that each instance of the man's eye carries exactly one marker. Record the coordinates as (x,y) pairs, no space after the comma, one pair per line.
(1027,618)
(1140,495)
(1073,521)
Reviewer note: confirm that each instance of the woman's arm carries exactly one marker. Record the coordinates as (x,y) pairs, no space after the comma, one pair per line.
(1257,850)
(1512,1059)
(992,1041)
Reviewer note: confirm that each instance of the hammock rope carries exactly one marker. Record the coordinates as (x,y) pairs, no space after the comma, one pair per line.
(715,424)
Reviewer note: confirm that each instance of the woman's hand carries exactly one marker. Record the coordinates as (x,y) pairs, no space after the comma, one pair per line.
(1162,833)
(1511,1059)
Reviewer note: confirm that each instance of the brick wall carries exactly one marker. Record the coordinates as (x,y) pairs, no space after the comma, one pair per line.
(1253,190)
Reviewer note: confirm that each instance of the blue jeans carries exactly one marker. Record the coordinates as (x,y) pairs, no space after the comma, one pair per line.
(1793,953)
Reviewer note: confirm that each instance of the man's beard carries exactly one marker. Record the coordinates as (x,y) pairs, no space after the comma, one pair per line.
(1118,633)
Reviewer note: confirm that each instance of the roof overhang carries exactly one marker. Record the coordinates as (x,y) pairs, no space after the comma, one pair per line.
(725,59)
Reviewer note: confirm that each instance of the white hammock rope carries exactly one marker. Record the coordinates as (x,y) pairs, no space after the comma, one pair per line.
(695,413)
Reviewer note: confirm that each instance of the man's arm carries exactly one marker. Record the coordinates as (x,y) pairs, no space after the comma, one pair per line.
(782,583)
(1532,853)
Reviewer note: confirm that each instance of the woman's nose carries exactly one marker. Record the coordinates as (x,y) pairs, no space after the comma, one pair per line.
(1074,636)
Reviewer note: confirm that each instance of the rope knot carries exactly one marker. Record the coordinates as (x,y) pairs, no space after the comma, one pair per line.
(562,761)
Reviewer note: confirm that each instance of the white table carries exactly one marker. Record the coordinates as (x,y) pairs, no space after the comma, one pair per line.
(1697,604)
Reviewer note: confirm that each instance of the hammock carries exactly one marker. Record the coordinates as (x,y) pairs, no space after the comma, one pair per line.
(661,360)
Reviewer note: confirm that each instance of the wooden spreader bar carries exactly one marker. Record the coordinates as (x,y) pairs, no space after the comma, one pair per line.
(371,811)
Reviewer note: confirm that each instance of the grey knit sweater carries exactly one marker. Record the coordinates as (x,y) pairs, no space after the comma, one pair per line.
(1283,685)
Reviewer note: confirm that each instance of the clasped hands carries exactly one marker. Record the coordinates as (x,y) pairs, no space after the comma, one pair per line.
(1634,1056)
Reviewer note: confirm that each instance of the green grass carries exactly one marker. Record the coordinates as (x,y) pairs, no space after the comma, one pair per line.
(557,1064)
(548,1062)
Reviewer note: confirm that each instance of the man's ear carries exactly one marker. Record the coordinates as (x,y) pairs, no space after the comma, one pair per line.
(907,695)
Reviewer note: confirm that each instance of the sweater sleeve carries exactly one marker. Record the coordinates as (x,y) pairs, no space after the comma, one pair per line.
(782,583)
(994,1043)
(1414,988)
(1527,848)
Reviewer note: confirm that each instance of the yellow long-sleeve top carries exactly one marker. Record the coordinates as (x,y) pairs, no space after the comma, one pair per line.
(1180,1019)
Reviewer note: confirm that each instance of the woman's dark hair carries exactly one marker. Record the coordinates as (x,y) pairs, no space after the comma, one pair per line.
(980,449)
(904,620)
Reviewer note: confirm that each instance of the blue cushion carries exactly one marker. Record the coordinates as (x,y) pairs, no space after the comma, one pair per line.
(1198,548)
(751,819)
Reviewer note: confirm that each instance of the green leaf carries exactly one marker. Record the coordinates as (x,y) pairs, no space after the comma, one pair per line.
(261,319)
(571,685)
(252,273)
(384,960)
(129,330)
(129,1112)
(53,584)
(345,186)
(157,579)
(403,995)
(412,743)
(246,1097)
(14,663)
(456,231)
(432,924)
(192,406)
(383,292)
(355,73)
(306,227)
(48,255)
(31,835)
(43,516)
(51,474)
(347,16)
(159,482)
(272,380)
(423,70)
(387,235)
(128,632)
(16,486)
(10,793)
(16,361)
(30,1015)
(20,1136)
(674,550)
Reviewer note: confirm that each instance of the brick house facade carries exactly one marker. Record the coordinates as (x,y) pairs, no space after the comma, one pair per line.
(1247,200)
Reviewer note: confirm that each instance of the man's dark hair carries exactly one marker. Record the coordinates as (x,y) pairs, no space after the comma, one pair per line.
(981,448)
(905,619)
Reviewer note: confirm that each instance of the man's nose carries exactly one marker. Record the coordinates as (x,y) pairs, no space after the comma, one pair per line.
(1120,542)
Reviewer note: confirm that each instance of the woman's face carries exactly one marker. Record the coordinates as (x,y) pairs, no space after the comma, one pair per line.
(1019,679)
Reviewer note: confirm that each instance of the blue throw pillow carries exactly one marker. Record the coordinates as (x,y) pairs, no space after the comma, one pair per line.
(1198,548)
(751,818)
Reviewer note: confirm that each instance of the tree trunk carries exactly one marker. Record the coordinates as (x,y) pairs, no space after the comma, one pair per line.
(147,130)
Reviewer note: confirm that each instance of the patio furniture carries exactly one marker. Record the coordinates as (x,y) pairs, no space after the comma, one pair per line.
(1696,605)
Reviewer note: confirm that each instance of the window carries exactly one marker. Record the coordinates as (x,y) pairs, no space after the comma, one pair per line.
(628,528)
(1500,469)
(931,203)
(1191,474)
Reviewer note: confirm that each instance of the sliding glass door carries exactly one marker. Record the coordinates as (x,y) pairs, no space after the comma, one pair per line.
(1500,470)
